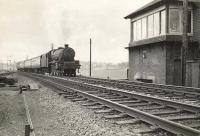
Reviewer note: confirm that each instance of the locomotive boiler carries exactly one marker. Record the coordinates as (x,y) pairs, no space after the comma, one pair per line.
(63,62)
(55,62)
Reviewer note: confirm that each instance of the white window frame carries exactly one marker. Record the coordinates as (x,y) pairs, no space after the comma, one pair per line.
(181,26)
(147,37)
(165,30)
(180,23)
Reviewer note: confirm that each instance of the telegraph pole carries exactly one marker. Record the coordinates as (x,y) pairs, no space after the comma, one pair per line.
(184,49)
(9,59)
(90,57)
(7,63)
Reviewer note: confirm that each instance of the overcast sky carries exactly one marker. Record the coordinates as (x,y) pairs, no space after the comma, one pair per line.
(28,27)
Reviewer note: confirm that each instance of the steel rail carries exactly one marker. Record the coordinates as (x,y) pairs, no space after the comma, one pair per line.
(170,126)
(170,88)
(180,105)
(157,88)
(188,107)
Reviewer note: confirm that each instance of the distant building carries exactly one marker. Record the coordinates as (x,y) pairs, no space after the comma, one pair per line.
(156,40)
(9,67)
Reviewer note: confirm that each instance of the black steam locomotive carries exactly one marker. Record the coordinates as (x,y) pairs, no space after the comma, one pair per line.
(56,62)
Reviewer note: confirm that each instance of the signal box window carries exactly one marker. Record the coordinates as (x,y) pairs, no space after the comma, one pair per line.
(139,29)
(150,26)
(156,24)
(189,21)
(144,28)
(175,21)
(134,31)
(163,22)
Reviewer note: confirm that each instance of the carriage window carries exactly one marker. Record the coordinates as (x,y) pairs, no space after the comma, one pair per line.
(175,21)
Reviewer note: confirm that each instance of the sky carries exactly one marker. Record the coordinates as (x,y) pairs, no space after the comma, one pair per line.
(29,27)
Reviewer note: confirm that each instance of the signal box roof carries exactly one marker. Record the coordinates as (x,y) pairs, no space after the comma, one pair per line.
(152,5)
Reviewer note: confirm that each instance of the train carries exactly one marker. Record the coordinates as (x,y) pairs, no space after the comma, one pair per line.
(59,62)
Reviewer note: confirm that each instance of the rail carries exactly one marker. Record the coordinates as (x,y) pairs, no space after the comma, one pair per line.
(157,121)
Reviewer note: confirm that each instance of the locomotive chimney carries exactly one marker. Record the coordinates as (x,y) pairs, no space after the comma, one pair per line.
(66,45)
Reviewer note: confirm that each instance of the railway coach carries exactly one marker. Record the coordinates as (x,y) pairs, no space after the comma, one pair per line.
(55,62)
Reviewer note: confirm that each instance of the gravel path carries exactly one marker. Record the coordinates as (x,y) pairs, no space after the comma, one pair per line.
(53,115)
(12,113)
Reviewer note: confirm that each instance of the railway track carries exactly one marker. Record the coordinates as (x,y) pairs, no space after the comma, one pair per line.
(184,94)
(160,114)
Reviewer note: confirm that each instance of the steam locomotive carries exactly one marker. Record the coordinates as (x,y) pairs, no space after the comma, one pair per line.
(55,62)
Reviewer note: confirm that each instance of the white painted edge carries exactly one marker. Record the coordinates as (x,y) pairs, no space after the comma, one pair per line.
(28,115)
